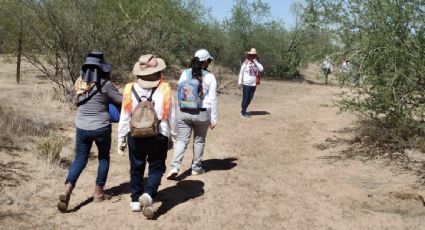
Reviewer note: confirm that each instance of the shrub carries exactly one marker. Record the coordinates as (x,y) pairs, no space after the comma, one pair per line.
(50,147)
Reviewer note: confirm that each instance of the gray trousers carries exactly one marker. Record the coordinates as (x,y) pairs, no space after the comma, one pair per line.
(186,122)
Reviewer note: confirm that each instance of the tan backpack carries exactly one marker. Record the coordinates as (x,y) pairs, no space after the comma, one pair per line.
(144,120)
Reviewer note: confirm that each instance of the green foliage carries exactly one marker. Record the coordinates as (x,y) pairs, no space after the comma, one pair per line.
(384,40)
(59,33)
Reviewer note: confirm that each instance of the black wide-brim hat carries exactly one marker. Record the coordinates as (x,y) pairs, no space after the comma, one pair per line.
(95,59)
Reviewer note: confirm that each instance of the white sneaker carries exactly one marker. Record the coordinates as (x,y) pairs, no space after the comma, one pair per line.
(245,116)
(172,173)
(146,201)
(198,172)
(135,207)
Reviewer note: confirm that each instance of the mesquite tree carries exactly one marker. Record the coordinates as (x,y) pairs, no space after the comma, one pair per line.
(385,41)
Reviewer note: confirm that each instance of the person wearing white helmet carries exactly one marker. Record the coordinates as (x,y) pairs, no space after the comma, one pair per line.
(197,98)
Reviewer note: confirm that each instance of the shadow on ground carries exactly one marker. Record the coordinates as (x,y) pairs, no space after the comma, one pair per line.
(177,194)
(211,165)
(258,113)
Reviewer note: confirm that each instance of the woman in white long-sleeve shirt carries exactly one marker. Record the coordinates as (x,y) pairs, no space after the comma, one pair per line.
(248,79)
(199,120)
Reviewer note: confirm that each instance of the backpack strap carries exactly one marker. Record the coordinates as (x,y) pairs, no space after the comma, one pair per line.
(138,98)
(98,89)
(153,91)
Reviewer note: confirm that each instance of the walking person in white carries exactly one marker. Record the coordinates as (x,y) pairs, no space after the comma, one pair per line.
(248,79)
(197,119)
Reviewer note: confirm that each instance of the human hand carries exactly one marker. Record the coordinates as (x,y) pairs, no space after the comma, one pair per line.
(122,145)
(212,125)
(239,86)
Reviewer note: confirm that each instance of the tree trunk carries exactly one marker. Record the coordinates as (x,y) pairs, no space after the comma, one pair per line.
(19,53)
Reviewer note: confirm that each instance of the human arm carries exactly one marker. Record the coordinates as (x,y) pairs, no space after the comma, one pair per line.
(123,129)
(240,79)
(259,66)
(212,94)
(113,94)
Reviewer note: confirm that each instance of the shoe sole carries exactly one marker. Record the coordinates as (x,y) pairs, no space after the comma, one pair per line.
(63,203)
(148,212)
(101,198)
(172,175)
(197,173)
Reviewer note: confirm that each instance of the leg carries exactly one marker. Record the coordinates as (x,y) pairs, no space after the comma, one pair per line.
(137,167)
(245,98)
(103,143)
(156,159)
(200,132)
(102,138)
(184,130)
(83,146)
(251,94)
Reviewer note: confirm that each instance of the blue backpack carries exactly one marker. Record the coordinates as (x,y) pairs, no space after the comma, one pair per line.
(114,112)
(188,92)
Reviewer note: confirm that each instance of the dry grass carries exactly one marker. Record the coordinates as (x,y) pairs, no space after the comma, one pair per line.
(14,127)
(50,147)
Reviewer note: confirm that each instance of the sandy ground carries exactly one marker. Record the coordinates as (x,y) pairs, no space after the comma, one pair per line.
(284,168)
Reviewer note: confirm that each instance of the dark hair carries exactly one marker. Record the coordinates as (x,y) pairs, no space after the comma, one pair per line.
(196,66)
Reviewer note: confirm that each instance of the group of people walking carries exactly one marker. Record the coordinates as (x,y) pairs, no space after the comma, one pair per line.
(148,99)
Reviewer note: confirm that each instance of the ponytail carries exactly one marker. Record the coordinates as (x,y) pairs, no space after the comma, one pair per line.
(196,66)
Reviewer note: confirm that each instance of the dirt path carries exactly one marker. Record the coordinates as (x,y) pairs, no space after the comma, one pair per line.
(281,169)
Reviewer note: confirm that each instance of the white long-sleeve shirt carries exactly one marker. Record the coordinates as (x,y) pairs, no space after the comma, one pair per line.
(244,75)
(209,86)
(166,128)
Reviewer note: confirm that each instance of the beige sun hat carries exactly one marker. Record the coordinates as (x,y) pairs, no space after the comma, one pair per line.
(253,51)
(147,65)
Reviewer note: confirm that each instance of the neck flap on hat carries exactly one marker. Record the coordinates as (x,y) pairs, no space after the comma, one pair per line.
(91,75)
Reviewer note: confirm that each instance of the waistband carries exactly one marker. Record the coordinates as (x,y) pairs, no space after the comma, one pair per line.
(194,110)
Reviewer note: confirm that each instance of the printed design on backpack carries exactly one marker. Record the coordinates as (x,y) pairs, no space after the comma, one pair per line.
(144,120)
(188,94)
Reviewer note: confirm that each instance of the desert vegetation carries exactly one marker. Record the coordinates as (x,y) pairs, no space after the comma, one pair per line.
(307,156)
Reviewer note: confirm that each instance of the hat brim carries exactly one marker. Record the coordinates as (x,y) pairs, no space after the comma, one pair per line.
(90,61)
(251,53)
(148,71)
(147,84)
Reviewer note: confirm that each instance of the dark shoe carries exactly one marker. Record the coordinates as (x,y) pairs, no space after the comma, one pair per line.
(172,173)
(65,197)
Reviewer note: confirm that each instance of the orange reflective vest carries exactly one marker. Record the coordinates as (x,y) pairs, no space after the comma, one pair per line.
(163,87)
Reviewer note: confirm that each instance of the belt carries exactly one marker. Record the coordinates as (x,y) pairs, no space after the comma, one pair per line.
(194,110)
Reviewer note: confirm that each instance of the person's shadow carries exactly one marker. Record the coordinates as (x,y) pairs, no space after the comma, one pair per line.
(177,194)
(211,165)
(258,113)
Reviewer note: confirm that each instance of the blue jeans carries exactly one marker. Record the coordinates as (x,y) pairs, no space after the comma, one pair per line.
(247,95)
(84,142)
(141,150)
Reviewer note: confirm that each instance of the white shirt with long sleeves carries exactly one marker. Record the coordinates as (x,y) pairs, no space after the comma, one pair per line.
(209,86)
(166,128)
(244,75)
